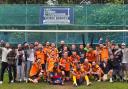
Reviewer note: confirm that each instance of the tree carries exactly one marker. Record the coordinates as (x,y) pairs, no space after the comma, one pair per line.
(116,1)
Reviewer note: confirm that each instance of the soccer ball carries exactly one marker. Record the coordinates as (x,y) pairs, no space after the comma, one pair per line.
(35,81)
(105,77)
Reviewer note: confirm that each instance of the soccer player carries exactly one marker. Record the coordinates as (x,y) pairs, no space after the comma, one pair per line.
(86,70)
(56,75)
(39,54)
(74,57)
(46,50)
(36,71)
(77,75)
(98,54)
(54,49)
(104,59)
(96,71)
(91,55)
(65,66)
(51,62)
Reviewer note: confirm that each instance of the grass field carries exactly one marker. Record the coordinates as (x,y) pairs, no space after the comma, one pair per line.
(95,85)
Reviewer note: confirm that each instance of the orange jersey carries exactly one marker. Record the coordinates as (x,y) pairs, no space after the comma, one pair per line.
(95,68)
(98,56)
(46,51)
(78,74)
(86,67)
(91,56)
(35,69)
(104,54)
(74,58)
(55,50)
(74,67)
(65,63)
(40,55)
(51,62)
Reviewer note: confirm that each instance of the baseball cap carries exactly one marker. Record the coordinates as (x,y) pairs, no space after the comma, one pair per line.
(123,44)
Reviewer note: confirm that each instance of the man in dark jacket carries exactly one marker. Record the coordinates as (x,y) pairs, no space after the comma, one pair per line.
(61,48)
(117,63)
(11,57)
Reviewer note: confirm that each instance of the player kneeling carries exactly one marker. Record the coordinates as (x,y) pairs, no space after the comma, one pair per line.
(96,71)
(56,76)
(86,69)
(77,75)
(36,72)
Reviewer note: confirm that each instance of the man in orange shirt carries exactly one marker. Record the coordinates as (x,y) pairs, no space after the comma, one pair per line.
(77,75)
(51,62)
(104,53)
(91,55)
(74,57)
(65,66)
(97,71)
(39,54)
(104,59)
(46,51)
(54,49)
(98,54)
(86,70)
(35,72)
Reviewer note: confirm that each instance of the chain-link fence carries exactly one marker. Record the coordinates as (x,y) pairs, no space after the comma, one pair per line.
(86,17)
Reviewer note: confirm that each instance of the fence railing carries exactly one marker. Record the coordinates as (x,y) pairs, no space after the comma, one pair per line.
(85,17)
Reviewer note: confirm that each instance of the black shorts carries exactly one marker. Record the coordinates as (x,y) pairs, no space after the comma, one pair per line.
(110,64)
(34,76)
(67,73)
(61,68)
(105,69)
(43,66)
(79,81)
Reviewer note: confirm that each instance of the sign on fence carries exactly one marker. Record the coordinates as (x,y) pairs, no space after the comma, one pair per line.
(56,15)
